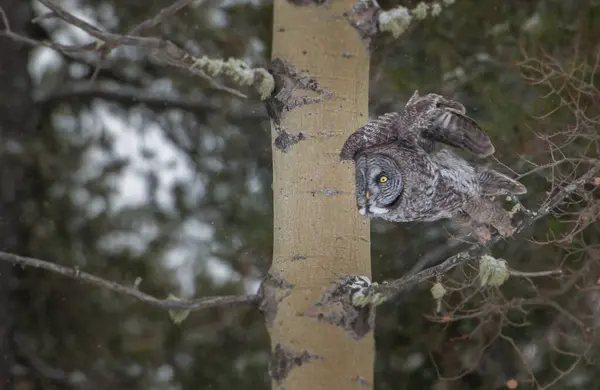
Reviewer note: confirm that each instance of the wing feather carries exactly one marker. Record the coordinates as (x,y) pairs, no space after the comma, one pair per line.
(444,120)
(425,120)
(453,128)
(379,131)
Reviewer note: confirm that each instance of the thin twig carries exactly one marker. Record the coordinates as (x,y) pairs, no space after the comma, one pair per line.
(127,96)
(535,274)
(114,73)
(390,289)
(136,30)
(160,16)
(74,273)
(160,49)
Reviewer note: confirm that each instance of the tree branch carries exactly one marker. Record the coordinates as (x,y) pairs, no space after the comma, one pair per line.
(390,289)
(136,30)
(535,274)
(79,92)
(160,16)
(367,17)
(127,96)
(188,304)
(163,50)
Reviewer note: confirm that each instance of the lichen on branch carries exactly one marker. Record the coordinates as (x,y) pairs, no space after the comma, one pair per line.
(367,17)
(239,71)
(397,20)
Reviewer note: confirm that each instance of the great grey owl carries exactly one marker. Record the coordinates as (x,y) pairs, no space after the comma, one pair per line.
(401,178)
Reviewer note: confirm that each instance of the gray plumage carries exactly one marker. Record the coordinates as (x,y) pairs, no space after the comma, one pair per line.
(401,178)
(425,120)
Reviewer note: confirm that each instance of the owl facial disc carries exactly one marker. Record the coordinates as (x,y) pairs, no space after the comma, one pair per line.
(378,184)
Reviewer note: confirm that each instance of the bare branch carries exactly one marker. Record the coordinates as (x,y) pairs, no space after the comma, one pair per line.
(188,304)
(83,91)
(164,51)
(394,287)
(136,30)
(435,255)
(369,19)
(535,274)
(160,16)
(127,96)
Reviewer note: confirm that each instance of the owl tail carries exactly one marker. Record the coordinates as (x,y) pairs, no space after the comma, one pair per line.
(494,183)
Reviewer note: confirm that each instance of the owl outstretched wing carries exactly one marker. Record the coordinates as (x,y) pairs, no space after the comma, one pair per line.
(379,131)
(425,120)
(443,120)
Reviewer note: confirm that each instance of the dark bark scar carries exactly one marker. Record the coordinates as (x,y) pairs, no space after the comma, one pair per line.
(327,192)
(363,17)
(336,308)
(285,140)
(272,290)
(288,82)
(284,360)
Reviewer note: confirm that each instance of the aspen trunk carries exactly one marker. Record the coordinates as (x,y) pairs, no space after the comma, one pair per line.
(318,234)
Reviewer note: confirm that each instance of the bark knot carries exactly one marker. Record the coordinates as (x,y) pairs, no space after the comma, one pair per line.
(271,292)
(337,307)
(364,18)
(293,89)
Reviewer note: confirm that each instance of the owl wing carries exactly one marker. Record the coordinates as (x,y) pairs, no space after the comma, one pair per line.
(425,120)
(379,131)
(444,120)
(454,128)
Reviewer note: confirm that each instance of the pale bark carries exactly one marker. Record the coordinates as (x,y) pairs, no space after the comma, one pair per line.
(318,234)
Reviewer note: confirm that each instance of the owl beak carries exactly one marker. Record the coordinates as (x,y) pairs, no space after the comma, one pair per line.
(367,195)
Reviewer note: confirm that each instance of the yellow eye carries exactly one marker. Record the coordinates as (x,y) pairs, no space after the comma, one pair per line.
(383,179)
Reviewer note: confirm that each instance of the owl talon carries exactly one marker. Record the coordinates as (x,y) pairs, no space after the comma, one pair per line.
(363,291)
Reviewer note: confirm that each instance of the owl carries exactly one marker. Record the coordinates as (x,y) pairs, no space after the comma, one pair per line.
(400,177)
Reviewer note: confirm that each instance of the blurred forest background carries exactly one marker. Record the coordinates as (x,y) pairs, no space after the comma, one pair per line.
(149,172)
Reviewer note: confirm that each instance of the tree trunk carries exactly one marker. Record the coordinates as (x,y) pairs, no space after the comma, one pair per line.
(15,111)
(318,234)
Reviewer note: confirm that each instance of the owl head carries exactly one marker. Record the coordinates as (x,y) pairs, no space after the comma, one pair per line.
(378,182)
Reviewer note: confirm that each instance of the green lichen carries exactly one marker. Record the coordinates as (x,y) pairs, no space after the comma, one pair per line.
(397,20)
(239,71)
(492,271)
